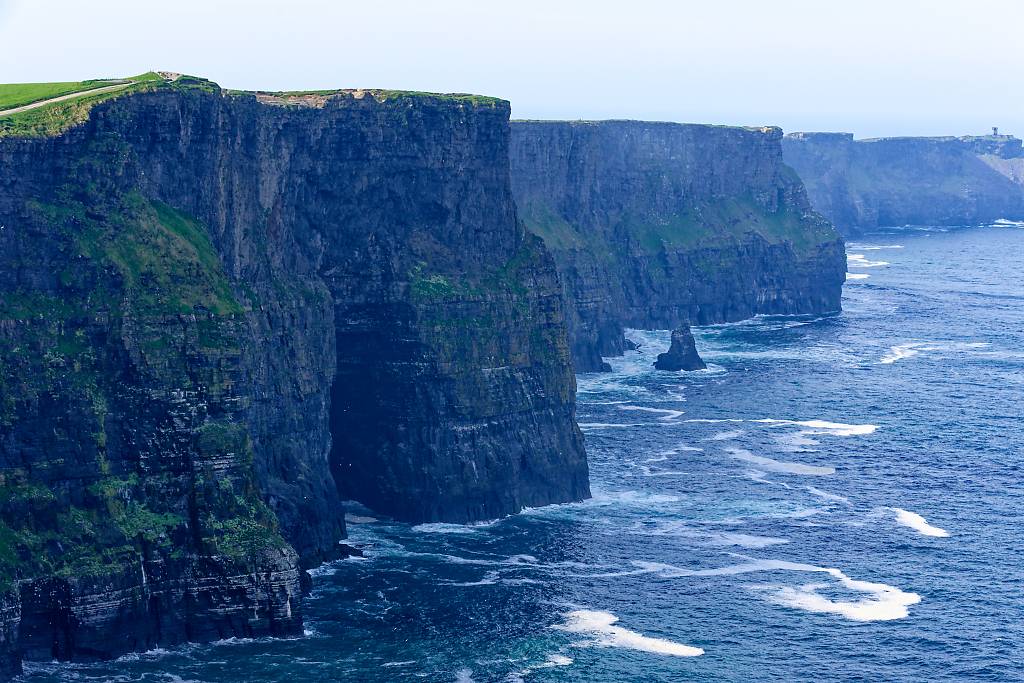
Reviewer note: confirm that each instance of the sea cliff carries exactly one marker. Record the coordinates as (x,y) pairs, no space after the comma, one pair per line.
(654,225)
(864,184)
(223,313)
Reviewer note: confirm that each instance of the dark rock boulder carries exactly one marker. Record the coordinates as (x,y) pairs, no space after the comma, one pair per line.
(682,354)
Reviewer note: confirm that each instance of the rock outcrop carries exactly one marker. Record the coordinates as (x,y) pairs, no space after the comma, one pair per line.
(682,353)
(657,224)
(221,314)
(870,183)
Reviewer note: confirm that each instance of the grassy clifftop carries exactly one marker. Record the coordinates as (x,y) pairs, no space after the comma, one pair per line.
(45,109)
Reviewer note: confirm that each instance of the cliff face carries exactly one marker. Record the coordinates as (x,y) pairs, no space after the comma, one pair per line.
(656,224)
(865,184)
(220,315)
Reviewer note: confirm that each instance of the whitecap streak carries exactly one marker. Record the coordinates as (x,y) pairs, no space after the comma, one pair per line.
(911,349)
(857,276)
(601,628)
(825,495)
(778,465)
(824,427)
(901,351)
(665,413)
(918,523)
(446,528)
(880,601)
(606,425)
(858,261)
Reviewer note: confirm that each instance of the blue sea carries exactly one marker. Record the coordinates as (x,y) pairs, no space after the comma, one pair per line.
(833,499)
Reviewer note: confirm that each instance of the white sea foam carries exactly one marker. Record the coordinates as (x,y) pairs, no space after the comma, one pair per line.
(745,540)
(918,523)
(857,276)
(464,676)
(825,495)
(778,465)
(665,413)
(880,602)
(445,528)
(681,529)
(824,427)
(402,663)
(664,455)
(551,661)
(859,261)
(761,478)
(603,632)
(900,352)
(606,425)
(911,349)
(603,498)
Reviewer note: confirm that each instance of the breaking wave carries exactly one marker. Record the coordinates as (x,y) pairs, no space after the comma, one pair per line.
(918,523)
(603,632)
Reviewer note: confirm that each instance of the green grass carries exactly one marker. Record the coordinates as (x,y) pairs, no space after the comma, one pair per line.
(460,98)
(19,94)
(729,220)
(54,119)
(712,224)
(382,95)
(166,260)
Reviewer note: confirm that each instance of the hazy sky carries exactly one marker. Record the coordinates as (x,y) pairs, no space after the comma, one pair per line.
(873,67)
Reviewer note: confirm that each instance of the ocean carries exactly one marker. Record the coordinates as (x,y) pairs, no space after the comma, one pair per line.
(833,499)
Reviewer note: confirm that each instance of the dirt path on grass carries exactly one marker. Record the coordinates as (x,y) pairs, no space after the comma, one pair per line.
(71,96)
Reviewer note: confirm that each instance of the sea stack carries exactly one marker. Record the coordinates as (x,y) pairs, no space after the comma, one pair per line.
(682,354)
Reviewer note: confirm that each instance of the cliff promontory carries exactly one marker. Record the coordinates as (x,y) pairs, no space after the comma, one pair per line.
(657,224)
(223,313)
(870,183)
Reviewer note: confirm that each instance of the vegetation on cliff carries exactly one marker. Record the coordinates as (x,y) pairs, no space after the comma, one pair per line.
(17,119)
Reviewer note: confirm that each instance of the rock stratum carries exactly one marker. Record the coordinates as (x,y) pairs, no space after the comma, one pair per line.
(657,224)
(864,184)
(223,313)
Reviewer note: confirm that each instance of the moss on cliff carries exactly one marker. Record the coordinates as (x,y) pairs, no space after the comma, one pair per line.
(162,261)
(729,220)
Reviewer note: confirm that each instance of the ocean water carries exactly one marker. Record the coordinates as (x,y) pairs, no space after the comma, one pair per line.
(834,499)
